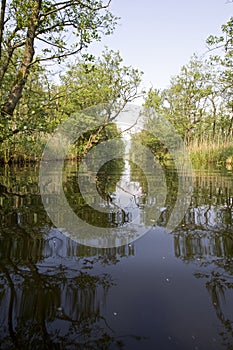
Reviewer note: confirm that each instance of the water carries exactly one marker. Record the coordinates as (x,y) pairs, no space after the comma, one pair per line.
(162,291)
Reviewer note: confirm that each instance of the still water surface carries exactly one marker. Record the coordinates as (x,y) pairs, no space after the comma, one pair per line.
(164,291)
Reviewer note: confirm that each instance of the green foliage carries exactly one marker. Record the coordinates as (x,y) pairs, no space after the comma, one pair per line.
(43,105)
(159,150)
(223,61)
(199,103)
(64,27)
(83,144)
(225,40)
(58,29)
(186,102)
(104,81)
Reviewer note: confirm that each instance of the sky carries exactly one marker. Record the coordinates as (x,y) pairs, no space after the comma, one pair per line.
(159,36)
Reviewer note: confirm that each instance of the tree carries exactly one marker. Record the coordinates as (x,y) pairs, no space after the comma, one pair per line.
(51,28)
(106,81)
(223,61)
(198,102)
(184,102)
(25,132)
(43,106)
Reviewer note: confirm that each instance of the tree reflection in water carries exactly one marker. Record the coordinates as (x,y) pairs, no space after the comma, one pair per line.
(52,295)
(53,290)
(205,238)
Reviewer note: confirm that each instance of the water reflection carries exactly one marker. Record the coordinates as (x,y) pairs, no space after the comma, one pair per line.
(56,293)
(205,238)
(206,230)
(51,295)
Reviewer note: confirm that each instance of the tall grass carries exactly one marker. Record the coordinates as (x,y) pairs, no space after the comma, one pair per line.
(211,153)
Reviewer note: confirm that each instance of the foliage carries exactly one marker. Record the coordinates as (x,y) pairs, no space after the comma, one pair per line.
(103,81)
(44,105)
(42,30)
(198,102)
(187,101)
(93,137)
(204,154)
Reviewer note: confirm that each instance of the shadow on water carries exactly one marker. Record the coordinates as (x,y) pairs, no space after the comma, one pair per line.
(57,294)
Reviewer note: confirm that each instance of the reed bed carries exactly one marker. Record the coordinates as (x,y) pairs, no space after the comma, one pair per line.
(205,153)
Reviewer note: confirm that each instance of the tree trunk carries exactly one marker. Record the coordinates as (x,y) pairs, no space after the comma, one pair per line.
(214,119)
(21,76)
(93,139)
(2,23)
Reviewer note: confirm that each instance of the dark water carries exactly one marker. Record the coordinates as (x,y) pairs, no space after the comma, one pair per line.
(163,291)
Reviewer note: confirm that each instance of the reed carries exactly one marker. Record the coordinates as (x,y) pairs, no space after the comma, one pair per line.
(205,153)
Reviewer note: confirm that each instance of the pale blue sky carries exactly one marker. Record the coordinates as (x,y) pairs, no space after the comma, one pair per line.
(158,37)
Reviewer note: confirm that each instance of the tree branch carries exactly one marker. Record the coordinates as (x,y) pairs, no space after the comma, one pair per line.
(67,54)
(51,44)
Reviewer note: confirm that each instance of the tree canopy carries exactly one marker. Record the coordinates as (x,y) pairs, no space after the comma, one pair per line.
(41,30)
(199,100)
